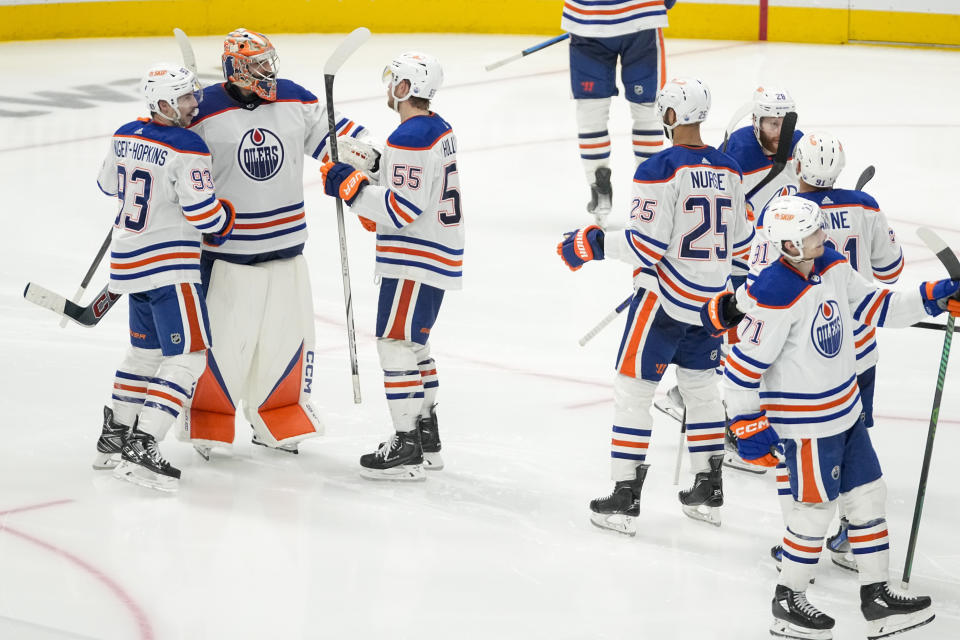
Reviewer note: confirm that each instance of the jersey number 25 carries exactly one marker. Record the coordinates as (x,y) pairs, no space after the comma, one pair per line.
(712,219)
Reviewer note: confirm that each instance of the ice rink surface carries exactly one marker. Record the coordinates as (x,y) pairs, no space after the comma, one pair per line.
(261,544)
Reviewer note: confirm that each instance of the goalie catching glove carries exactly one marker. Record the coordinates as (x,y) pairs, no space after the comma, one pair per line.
(940,296)
(582,245)
(341,180)
(756,439)
(360,155)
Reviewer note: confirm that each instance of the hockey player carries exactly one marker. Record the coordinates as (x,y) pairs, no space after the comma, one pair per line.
(688,232)
(633,33)
(791,388)
(161,175)
(410,195)
(259,128)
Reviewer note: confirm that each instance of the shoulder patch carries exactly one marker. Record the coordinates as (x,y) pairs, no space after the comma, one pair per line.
(778,286)
(419,132)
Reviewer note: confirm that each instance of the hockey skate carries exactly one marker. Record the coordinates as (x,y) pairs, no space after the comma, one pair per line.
(399,458)
(888,613)
(795,617)
(839,546)
(142,463)
(110,442)
(671,404)
(430,441)
(701,501)
(732,459)
(288,448)
(601,195)
(619,510)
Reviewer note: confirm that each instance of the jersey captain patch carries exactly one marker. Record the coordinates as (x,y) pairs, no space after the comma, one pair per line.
(260,154)
(827,329)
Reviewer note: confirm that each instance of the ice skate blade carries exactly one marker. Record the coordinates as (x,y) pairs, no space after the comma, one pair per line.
(844,562)
(618,522)
(285,448)
(105,461)
(709,515)
(145,478)
(736,462)
(432,461)
(403,473)
(203,451)
(893,625)
(783,629)
(668,409)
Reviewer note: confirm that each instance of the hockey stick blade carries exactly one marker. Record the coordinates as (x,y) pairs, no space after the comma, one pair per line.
(784,147)
(946,256)
(87,316)
(345,49)
(186,50)
(865,177)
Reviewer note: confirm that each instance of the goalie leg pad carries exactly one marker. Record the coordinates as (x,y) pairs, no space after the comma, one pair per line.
(131,381)
(706,418)
(803,542)
(280,384)
(865,507)
(169,391)
(235,302)
(402,382)
(632,425)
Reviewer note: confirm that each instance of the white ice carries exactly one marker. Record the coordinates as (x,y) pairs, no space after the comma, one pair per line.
(259,544)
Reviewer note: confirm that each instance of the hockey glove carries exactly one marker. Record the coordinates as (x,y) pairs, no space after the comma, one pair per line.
(340,180)
(361,155)
(720,314)
(756,439)
(582,245)
(939,296)
(217,238)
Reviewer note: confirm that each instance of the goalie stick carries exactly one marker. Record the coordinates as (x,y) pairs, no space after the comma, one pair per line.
(87,316)
(527,51)
(784,147)
(949,260)
(339,56)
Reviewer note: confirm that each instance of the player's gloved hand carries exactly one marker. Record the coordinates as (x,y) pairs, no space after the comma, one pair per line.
(720,313)
(939,296)
(368,224)
(582,245)
(217,238)
(756,439)
(361,155)
(341,180)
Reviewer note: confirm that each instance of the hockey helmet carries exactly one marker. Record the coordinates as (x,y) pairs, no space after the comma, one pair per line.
(250,62)
(422,70)
(820,159)
(792,218)
(770,102)
(688,97)
(168,82)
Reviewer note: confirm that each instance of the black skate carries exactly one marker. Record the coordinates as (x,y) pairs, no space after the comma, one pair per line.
(257,440)
(889,613)
(795,617)
(618,511)
(110,442)
(839,546)
(142,463)
(701,501)
(430,441)
(671,404)
(732,457)
(601,195)
(399,458)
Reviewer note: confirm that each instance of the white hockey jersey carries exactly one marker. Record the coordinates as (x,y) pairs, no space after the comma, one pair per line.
(688,229)
(796,358)
(162,179)
(417,207)
(755,165)
(612,18)
(258,158)
(858,229)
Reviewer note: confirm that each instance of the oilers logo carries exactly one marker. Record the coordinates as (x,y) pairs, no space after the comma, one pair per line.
(260,155)
(827,329)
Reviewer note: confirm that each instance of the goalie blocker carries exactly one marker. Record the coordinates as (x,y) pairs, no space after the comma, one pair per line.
(261,322)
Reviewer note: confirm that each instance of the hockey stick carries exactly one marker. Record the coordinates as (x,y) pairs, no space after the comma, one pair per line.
(527,51)
(87,316)
(865,177)
(186,50)
(952,264)
(683,434)
(93,268)
(784,147)
(933,325)
(346,48)
(610,317)
(734,121)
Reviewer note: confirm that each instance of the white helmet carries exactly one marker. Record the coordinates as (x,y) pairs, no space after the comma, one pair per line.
(791,218)
(422,70)
(820,159)
(770,102)
(167,82)
(688,97)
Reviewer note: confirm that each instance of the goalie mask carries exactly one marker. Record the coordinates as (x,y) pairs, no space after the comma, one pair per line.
(422,70)
(770,102)
(820,159)
(250,62)
(688,97)
(168,82)
(795,219)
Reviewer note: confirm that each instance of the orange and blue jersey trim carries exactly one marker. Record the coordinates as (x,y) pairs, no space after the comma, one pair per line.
(743,370)
(873,309)
(648,250)
(401,211)
(787,407)
(419,253)
(155,258)
(611,14)
(263,225)
(890,273)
